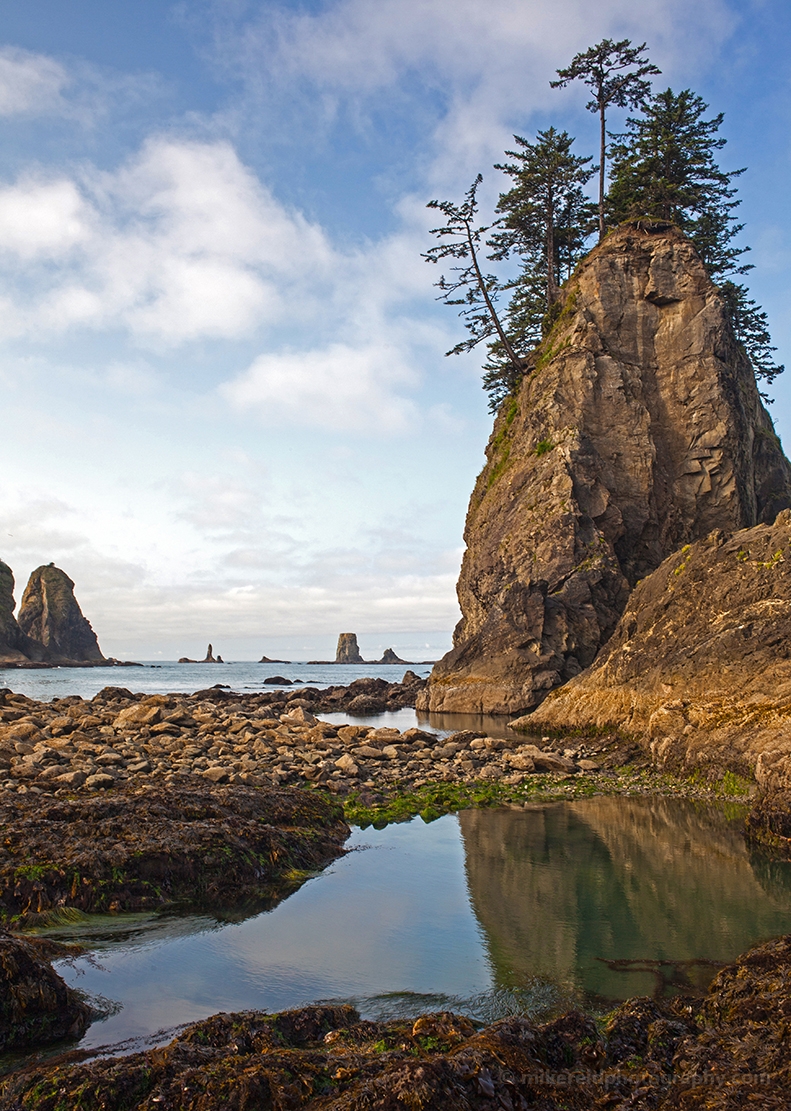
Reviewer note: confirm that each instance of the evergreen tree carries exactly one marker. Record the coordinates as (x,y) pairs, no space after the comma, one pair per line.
(664,167)
(752,330)
(616,73)
(545,216)
(475,292)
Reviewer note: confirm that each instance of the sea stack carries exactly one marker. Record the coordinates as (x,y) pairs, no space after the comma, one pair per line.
(52,622)
(11,637)
(389,657)
(348,651)
(637,429)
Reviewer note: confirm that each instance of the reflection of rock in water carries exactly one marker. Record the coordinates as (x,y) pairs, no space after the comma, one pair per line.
(559,887)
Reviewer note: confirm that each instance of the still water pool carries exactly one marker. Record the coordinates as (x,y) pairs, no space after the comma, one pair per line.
(486,912)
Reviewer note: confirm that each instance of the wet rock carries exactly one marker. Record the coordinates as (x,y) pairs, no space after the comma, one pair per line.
(728,1052)
(127,848)
(36,1006)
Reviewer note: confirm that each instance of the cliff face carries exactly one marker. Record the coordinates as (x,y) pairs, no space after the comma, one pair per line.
(699,667)
(10,636)
(640,429)
(52,622)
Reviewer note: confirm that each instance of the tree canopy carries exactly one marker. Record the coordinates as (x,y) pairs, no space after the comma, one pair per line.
(664,166)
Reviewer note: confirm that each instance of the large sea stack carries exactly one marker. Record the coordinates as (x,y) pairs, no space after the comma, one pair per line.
(638,429)
(52,622)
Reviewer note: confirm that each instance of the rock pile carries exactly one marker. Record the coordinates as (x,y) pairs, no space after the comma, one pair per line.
(115,738)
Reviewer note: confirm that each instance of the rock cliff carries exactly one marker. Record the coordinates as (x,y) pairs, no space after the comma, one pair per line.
(10,635)
(52,622)
(638,429)
(699,667)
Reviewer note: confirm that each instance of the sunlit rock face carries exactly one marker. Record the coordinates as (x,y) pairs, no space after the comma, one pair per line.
(52,622)
(699,668)
(639,429)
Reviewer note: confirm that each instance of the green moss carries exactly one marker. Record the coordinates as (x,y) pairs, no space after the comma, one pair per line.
(433,800)
(501,444)
(543,446)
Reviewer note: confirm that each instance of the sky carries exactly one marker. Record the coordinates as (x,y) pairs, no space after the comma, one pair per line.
(227,413)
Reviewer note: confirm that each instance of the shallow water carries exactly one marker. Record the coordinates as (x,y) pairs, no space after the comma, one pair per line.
(487,912)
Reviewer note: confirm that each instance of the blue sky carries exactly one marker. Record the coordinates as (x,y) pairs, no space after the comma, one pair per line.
(227,411)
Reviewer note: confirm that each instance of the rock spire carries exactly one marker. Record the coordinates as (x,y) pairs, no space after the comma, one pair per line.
(52,622)
(348,651)
(639,429)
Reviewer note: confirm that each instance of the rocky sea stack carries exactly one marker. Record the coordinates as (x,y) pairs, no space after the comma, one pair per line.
(50,630)
(52,621)
(638,429)
(348,651)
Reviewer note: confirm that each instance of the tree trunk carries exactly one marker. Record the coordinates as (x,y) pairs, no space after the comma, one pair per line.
(602,151)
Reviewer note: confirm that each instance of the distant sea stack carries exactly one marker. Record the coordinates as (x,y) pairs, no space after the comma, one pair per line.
(52,622)
(389,657)
(348,651)
(637,429)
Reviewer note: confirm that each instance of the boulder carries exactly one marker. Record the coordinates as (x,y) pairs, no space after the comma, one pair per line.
(348,651)
(52,622)
(637,429)
(699,668)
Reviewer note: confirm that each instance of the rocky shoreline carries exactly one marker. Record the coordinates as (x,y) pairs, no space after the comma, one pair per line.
(117,741)
(719,1053)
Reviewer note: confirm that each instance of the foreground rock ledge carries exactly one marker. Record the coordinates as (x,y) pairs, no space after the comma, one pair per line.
(140,849)
(699,669)
(36,1006)
(728,1051)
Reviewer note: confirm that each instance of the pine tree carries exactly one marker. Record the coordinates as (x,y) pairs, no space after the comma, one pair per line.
(664,167)
(616,73)
(462,240)
(545,216)
(751,327)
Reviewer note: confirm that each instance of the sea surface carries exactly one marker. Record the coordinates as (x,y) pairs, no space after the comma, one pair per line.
(487,912)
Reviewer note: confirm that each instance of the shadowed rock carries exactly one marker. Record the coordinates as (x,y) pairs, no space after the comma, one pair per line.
(52,622)
(638,429)
(10,635)
(36,1006)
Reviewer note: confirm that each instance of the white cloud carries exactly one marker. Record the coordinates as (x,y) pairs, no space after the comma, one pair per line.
(338,387)
(30,83)
(182,243)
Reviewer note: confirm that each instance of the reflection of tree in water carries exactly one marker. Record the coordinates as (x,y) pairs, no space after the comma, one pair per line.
(560,890)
